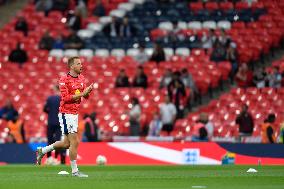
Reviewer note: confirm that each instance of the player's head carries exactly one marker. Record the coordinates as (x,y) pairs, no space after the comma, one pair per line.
(74,63)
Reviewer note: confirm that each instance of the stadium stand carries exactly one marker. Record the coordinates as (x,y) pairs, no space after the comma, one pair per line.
(255,29)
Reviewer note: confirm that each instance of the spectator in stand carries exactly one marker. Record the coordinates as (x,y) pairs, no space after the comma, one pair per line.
(44,6)
(18,55)
(140,79)
(142,56)
(75,21)
(135,114)
(219,52)
(208,40)
(194,40)
(122,79)
(167,78)
(175,34)
(51,107)
(275,78)
(91,128)
(177,94)
(281,134)
(125,29)
(232,56)
(73,41)
(155,125)
(259,77)
(224,39)
(61,5)
(203,118)
(244,76)
(8,112)
(245,122)
(99,9)
(200,133)
(188,82)
(22,25)
(58,42)
(46,41)
(81,8)
(168,114)
(112,29)
(268,129)
(158,54)
(17,130)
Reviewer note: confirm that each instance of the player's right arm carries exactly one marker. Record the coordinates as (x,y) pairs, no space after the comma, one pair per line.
(66,96)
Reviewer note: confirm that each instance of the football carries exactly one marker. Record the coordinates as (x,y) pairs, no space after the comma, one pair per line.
(101,160)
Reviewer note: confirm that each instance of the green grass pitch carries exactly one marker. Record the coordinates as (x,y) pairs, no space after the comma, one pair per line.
(142,177)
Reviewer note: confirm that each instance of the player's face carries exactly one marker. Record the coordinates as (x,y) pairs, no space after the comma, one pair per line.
(77,66)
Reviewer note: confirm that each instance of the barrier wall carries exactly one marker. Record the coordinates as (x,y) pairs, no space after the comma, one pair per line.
(156,153)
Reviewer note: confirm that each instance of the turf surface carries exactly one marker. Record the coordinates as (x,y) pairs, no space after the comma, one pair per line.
(143,177)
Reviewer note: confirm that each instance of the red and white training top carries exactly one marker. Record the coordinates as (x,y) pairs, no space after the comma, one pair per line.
(70,86)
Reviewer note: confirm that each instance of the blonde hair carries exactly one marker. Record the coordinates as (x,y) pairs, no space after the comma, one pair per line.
(72,60)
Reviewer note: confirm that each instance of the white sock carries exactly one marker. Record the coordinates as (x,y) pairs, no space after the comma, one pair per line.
(47,149)
(74,166)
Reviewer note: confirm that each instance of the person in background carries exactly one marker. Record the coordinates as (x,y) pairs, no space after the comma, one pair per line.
(275,78)
(125,29)
(122,79)
(142,56)
(58,42)
(268,130)
(232,57)
(158,54)
(203,118)
(140,79)
(91,128)
(245,122)
(281,137)
(168,114)
(22,25)
(75,21)
(18,55)
(51,107)
(112,29)
(73,41)
(177,94)
(135,114)
(61,5)
(17,130)
(44,6)
(167,78)
(224,39)
(175,35)
(81,8)
(208,40)
(155,125)
(259,78)
(8,112)
(99,9)
(188,82)
(81,129)
(200,133)
(244,76)
(219,52)
(46,41)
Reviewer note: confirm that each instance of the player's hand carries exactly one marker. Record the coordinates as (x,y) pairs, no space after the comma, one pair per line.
(87,90)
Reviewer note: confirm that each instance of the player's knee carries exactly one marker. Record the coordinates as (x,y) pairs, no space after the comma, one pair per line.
(66,145)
